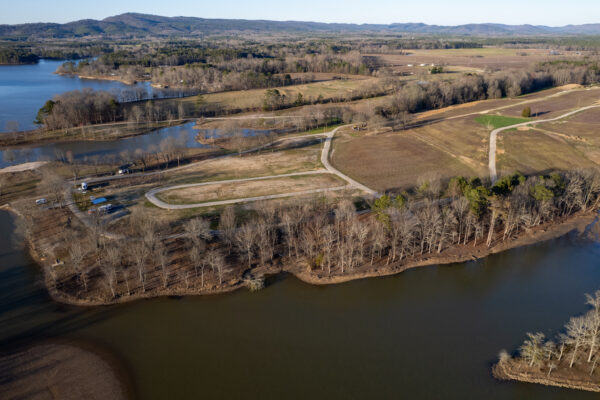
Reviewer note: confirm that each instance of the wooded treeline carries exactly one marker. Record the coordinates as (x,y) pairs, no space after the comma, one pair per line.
(87,107)
(15,52)
(321,239)
(421,96)
(219,72)
(17,56)
(403,98)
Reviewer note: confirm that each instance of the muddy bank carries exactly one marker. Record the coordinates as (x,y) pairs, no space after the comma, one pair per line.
(62,371)
(513,370)
(116,78)
(23,167)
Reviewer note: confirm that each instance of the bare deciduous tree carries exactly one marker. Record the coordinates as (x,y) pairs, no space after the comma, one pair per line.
(245,239)
(77,255)
(216,260)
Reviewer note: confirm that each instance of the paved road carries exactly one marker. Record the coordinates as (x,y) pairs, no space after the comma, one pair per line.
(495,132)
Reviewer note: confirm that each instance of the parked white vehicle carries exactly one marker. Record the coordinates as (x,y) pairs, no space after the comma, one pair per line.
(84,186)
(105,208)
(41,201)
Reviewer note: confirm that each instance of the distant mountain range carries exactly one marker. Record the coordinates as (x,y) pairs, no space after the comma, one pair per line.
(143,24)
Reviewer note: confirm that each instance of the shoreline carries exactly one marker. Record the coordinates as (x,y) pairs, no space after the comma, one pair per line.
(102,78)
(463,253)
(41,140)
(502,373)
(577,222)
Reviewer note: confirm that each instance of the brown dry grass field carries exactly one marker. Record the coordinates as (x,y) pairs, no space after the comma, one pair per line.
(531,151)
(460,145)
(282,160)
(394,160)
(555,106)
(537,98)
(462,138)
(238,190)
(583,127)
(475,59)
(570,143)
(306,157)
(175,217)
(461,109)
(248,99)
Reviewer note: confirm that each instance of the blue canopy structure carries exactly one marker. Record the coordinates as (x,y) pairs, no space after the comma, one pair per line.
(99,200)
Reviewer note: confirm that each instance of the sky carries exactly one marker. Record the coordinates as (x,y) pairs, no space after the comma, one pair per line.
(439,12)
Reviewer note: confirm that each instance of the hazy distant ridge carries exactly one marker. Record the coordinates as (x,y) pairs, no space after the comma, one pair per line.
(143,24)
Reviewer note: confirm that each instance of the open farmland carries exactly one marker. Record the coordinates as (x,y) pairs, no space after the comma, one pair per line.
(394,160)
(288,157)
(253,99)
(255,188)
(580,131)
(584,127)
(475,59)
(449,144)
(555,106)
(532,152)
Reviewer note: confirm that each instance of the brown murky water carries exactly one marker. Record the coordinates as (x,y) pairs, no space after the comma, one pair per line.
(429,333)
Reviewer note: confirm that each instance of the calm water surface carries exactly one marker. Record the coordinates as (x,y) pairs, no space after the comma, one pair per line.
(25,88)
(85,149)
(430,333)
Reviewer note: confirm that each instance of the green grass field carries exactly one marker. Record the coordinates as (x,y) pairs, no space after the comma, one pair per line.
(498,121)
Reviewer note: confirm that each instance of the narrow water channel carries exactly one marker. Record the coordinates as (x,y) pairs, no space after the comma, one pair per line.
(86,150)
(427,333)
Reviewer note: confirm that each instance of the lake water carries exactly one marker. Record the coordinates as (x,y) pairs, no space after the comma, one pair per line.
(429,333)
(25,88)
(85,149)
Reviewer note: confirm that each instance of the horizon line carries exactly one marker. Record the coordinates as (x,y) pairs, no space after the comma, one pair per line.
(301,21)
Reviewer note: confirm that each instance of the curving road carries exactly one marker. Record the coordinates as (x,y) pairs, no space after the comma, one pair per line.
(190,165)
(151,195)
(325,161)
(330,168)
(495,132)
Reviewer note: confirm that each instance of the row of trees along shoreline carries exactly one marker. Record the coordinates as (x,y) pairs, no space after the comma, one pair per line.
(317,239)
